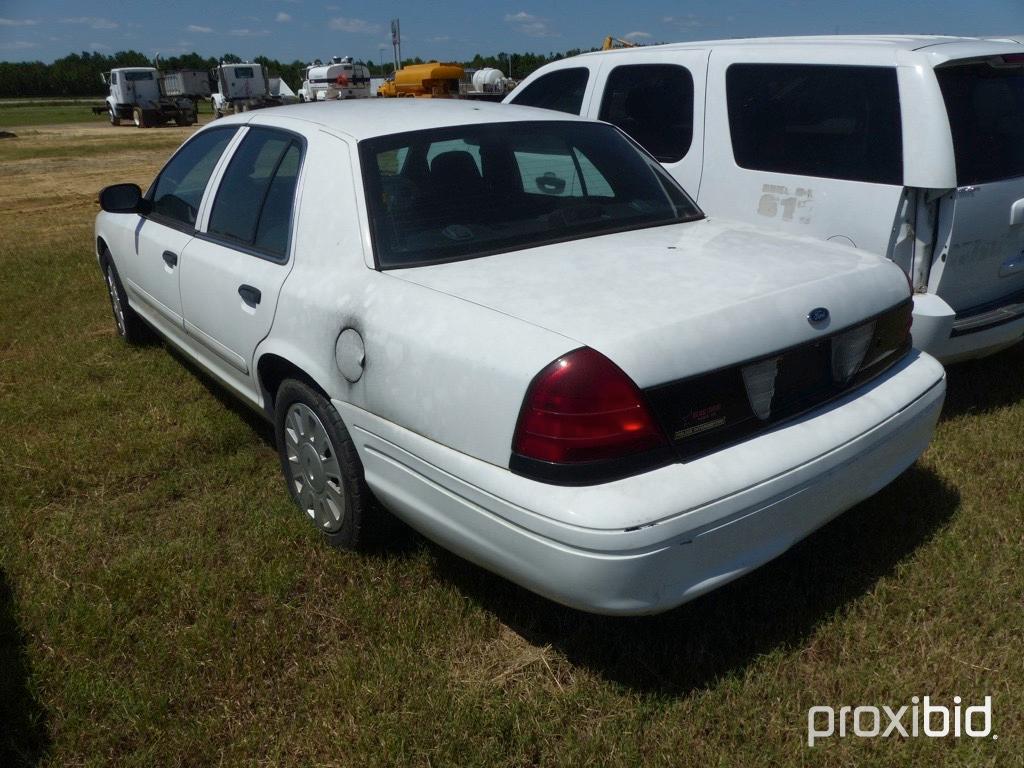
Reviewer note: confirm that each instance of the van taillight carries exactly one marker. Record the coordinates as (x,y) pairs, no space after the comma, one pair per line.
(582,409)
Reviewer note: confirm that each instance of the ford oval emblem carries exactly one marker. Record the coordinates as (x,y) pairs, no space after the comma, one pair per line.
(817,315)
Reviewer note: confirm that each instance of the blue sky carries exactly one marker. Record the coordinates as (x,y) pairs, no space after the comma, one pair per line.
(308,29)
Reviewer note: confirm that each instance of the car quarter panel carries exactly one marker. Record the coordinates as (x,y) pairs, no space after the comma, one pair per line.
(438,366)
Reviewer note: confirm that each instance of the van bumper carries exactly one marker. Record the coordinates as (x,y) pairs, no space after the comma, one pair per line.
(952,338)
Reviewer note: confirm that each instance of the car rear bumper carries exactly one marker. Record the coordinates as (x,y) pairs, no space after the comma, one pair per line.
(951,338)
(650,542)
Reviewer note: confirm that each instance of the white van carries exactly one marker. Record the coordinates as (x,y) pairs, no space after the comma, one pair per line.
(912,147)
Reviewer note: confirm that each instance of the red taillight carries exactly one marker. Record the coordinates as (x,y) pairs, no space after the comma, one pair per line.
(583,408)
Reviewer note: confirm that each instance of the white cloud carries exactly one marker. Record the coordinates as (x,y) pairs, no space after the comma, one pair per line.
(246,32)
(282,17)
(95,22)
(345,24)
(17,45)
(18,22)
(198,28)
(98,47)
(690,20)
(530,25)
(636,35)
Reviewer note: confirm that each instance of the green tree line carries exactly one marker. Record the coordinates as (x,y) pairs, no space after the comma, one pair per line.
(79,74)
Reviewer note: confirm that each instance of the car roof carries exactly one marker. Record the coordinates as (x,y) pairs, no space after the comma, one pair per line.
(872,48)
(368,118)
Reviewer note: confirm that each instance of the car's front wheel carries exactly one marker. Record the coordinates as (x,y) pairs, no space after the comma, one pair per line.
(130,326)
(322,469)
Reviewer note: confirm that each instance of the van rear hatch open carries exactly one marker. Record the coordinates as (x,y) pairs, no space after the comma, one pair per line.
(983,273)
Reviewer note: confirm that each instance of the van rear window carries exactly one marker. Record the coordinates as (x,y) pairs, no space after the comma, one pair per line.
(985,104)
(836,122)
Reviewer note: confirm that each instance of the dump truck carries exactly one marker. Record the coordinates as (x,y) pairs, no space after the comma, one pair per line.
(192,84)
(136,94)
(432,80)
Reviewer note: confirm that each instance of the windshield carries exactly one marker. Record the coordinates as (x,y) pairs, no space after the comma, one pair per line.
(468,191)
(986,114)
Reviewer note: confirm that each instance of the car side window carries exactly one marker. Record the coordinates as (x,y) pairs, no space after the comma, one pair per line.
(830,121)
(561,90)
(653,103)
(113,78)
(253,207)
(179,188)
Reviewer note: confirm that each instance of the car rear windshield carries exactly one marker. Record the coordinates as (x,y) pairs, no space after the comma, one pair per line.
(985,103)
(456,193)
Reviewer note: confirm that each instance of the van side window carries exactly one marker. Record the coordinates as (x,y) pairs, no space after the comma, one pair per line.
(254,201)
(653,103)
(986,115)
(561,90)
(836,122)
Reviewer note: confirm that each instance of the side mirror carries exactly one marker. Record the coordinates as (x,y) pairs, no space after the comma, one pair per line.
(123,198)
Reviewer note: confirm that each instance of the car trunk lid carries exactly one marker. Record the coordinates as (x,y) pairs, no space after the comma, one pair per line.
(669,302)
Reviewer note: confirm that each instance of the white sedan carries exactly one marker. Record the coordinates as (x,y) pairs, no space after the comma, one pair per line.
(512,329)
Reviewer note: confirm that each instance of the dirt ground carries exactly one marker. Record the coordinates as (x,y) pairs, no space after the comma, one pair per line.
(50,174)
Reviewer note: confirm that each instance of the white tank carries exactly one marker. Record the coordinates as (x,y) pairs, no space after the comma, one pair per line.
(488,76)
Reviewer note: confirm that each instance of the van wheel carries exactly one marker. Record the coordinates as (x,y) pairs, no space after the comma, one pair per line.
(322,469)
(114,119)
(130,326)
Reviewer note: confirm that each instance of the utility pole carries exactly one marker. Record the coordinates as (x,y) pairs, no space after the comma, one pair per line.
(396,42)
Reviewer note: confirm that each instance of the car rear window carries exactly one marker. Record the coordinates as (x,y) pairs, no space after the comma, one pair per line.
(561,90)
(455,193)
(985,104)
(837,122)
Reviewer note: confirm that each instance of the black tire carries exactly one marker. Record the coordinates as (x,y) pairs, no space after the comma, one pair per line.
(128,324)
(363,520)
(139,117)
(114,119)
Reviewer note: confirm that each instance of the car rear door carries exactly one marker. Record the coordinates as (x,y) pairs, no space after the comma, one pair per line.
(232,272)
(984,260)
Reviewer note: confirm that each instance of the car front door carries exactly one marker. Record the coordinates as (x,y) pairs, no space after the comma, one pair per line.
(151,277)
(233,270)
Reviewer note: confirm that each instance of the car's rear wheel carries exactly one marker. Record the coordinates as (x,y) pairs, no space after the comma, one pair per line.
(322,469)
(129,325)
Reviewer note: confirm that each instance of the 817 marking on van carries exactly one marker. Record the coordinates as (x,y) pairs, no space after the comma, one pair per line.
(777,202)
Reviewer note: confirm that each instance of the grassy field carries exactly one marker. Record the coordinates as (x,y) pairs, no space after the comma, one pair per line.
(162,603)
(15,113)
